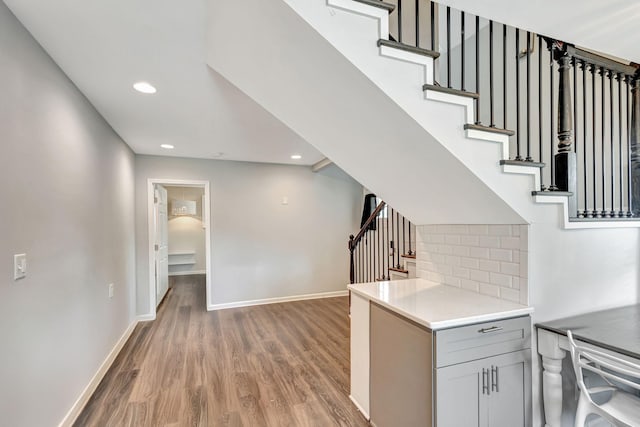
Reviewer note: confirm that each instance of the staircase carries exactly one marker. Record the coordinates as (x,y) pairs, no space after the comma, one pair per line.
(384,248)
(515,114)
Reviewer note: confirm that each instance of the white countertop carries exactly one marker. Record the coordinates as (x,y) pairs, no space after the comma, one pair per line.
(438,306)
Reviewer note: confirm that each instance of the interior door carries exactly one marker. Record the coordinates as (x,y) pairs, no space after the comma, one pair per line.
(162,242)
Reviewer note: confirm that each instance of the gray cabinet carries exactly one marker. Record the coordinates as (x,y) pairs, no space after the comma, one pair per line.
(471,376)
(490,392)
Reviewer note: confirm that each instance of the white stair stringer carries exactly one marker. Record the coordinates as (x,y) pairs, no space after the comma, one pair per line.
(296,74)
(448,128)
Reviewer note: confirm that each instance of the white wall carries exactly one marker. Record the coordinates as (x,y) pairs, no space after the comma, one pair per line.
(67,200)
(578,271)
(260,247)
(186,233)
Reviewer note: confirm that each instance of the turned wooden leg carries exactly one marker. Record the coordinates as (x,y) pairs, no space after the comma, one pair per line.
(552,391)
(552,356)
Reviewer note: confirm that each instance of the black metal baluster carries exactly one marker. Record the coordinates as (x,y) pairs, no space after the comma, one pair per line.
(540,153)
(417,23)
(478,69)
(404,237)
(584,133)
(376,260)
(380,248)
(628,127)
(575,119)
(410,250)
(492,119)
(398,235)
(619,78)
(360,275)
(593,137)
(367,257)
(603,213)
(462,85)
(612,213)
(518,157)
(356,253)
(386,210)
(552,177)
(504,76)
(575,124)
(393,241)
(433,25)
(528,159)
(399,11)
(363,255)
(448,47)
(370,243)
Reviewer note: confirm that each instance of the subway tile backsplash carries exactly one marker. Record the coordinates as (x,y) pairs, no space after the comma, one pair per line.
(488,259)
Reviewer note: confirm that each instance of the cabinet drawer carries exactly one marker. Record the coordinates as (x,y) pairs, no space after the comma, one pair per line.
(458,345)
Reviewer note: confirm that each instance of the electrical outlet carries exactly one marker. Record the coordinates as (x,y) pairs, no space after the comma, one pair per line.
(19,266)
(110,290)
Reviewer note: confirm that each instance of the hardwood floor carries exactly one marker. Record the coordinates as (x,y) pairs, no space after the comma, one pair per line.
(272,365)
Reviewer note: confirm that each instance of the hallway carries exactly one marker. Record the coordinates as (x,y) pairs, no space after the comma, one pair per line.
(271,365)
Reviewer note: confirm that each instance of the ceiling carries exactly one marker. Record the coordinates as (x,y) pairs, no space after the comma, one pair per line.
(608,26)
(106,46)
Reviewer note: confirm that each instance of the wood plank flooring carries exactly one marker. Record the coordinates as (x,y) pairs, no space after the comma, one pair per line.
(272,365)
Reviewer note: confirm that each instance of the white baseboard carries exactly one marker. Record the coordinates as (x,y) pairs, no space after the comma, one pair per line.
(187,273)
(79,405)
(212,307)
(362,411)
(146,317)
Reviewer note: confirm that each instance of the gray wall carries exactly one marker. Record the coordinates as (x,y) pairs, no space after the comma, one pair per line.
(66,199)
(260,247)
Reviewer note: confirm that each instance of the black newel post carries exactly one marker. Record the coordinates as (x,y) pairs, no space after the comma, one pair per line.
(565,160)
(634,144)
(352,271)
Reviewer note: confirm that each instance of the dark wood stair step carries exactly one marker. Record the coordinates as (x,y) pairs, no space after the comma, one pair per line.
(473,126)
(399,270)
(605,218)
(408,48)
(450,91)
(552,193)
(522,163)
(380,4)
(411,256)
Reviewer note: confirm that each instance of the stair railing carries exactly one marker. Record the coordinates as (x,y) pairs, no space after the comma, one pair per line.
(377,249)
(567,111)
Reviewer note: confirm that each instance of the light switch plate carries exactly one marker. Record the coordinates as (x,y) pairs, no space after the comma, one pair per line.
(110,290)
(19,266)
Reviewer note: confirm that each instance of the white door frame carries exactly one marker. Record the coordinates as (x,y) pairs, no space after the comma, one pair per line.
(207,224)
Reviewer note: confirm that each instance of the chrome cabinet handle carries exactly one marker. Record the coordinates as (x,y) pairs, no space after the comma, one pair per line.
(494,379)
(491,329)
(485,382)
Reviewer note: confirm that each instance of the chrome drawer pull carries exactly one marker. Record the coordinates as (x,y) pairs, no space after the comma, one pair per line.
(491,329)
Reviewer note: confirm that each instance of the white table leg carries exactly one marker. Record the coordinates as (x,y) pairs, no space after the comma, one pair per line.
(552,356)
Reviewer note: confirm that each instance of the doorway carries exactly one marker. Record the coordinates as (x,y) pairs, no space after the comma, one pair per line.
(179,236)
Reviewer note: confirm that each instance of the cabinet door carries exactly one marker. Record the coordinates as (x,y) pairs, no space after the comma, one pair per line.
(511,385)
(460,395)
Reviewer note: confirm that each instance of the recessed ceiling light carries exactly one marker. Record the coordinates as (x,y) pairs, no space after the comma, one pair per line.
(167,146)
(296,156)
(144,87)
